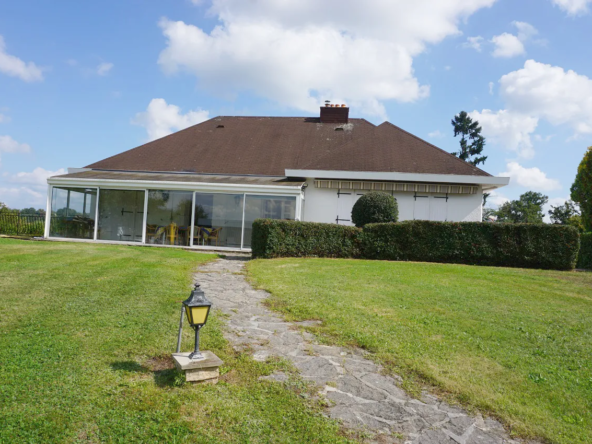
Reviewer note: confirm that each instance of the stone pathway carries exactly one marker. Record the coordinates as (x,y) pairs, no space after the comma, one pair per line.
(360,396)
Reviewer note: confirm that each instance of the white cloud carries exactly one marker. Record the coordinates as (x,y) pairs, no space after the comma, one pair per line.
(104,68)
(22,197)
(532,178)
(474,43)
(37,177)
(550,92)
(161,119)
(26,189)
(4,118)
(491,85)
(573,7)
(510,130)
(525,30)
(15,67)
(507,45)
(436,134)
(9,145)
(496,198)
(300,52)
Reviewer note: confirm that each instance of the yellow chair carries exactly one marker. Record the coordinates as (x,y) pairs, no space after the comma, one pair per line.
(172,233)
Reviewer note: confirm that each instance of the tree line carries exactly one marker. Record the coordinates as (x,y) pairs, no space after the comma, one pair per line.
(528,208)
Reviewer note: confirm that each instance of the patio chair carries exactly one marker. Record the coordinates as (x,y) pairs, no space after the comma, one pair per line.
(172,234)
(214,234)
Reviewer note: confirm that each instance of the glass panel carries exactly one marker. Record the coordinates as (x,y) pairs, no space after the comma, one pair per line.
(199,314)
(218,219)
(121,215)
(267,207)
(73,212)
(169,217)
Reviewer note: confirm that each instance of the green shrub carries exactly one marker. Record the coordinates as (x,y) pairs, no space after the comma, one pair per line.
(474,243)
(283,238)
(585,256)
(375,207)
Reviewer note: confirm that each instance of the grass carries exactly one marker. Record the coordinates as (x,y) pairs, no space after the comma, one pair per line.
(513,343)
(86,333)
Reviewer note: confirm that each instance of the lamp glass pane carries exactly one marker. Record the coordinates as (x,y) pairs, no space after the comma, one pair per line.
(188,313)
(199,314)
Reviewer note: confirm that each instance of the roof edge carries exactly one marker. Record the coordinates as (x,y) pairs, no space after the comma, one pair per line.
(434,146)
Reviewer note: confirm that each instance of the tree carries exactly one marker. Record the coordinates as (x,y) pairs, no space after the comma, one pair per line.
(561,214)
(581,190)
(471,142)
(375,207)
(489,215)
(527,209)
(3,206)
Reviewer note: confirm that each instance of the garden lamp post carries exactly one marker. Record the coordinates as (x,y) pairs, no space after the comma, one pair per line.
(197,308)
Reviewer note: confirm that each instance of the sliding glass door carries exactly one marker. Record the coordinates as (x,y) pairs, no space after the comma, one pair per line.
(121,215)
(266,207)
(73,212)
(168,221)
(218,220)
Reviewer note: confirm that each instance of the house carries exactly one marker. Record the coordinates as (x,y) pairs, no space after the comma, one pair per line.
(204,186)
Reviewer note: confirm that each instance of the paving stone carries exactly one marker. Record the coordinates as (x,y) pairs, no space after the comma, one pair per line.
(434,437)
(459,425)
(349,384)
(362,397)
(480,437)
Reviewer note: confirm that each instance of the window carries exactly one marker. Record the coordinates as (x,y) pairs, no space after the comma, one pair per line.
(73,213)
(271,207)
(121,215)
(169,217)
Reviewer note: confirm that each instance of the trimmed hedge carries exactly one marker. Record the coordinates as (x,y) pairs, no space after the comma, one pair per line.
(282,238)
(585,257)
(474,243)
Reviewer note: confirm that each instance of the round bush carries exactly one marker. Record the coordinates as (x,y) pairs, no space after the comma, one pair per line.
(375,207)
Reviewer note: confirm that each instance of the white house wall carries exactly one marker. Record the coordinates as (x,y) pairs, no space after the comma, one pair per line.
(324,205)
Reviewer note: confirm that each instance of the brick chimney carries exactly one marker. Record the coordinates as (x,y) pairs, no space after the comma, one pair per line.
(334,113)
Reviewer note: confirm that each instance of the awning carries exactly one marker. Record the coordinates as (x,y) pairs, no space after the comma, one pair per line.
(397,186)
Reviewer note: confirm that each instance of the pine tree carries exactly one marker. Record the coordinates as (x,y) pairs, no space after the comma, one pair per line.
(471,142)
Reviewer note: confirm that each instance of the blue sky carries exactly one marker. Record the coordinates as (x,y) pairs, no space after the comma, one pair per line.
(80,81)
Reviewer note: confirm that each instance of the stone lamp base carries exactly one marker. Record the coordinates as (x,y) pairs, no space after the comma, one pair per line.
(204,371)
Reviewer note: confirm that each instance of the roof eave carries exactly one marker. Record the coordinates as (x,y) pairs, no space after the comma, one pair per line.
(173,185)
(487,182)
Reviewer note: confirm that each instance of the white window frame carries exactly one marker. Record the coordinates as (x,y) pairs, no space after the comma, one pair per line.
(48,212)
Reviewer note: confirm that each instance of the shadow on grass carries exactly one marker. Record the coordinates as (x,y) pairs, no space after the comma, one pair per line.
(129,366)
(163,371)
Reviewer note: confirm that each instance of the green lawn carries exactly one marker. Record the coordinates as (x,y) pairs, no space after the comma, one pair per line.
(513,343)
(86,332)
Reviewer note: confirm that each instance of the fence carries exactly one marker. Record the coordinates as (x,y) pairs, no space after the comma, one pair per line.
(17,224)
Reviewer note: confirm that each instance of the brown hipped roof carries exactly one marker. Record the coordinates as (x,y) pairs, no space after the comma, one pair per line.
(267,146)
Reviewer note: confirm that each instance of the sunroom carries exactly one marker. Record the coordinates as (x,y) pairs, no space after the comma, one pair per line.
(168,209)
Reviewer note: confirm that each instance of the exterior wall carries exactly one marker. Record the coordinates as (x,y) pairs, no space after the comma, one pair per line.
(324,205)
